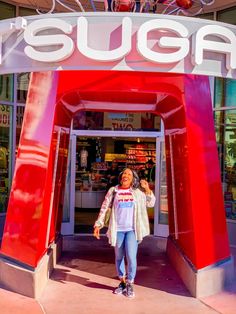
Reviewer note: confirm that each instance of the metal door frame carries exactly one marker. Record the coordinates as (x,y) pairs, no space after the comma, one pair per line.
(68,227)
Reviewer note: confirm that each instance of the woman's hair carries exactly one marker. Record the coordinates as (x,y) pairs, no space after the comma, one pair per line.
(135,182)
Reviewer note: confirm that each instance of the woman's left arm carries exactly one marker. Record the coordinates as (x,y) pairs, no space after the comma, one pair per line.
(150,197)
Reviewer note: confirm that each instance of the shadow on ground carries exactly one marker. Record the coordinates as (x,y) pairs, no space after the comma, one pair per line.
(86,254)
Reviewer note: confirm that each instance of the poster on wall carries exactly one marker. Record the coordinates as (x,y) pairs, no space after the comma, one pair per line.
(121,121)
(6,113)
(4,116)
(131,121)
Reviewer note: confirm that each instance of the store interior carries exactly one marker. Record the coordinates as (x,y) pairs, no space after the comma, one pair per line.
(99,160)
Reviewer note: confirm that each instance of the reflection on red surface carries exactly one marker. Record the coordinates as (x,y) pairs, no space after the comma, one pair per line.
(195,201)
(61,140)
(26,226)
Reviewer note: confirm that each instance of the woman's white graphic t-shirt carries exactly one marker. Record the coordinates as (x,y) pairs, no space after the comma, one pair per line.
(124,210)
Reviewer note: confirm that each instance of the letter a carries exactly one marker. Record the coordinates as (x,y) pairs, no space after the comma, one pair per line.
(227,47)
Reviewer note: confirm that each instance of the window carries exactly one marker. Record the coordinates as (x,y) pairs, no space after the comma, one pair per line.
(227,151)
(6,87)
(225,124)
(206,16)
(227,16)
(22,86)
(5,154)
(163,213)
(219,93)
(7,11)
(19,120)
(230,89)
(27,11)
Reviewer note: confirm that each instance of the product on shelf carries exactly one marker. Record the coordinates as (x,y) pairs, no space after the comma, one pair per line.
(139,154)
(3,157)
(99,165)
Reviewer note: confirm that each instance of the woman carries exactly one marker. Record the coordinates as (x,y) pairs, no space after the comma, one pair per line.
(128,224)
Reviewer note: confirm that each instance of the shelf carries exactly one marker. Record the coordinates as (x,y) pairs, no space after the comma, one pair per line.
(144,149)
(3,171)
(141,155)
(109,157)
(136,162)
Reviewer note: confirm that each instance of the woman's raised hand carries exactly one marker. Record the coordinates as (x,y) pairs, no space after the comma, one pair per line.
(144,184)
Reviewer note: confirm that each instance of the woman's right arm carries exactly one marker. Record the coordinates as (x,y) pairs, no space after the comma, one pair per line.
(99,223)
(150,197)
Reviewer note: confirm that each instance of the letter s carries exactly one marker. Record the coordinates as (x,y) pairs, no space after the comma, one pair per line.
(31,38)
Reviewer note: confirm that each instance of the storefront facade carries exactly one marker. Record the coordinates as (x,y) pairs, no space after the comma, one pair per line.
(12,101)
(13,93)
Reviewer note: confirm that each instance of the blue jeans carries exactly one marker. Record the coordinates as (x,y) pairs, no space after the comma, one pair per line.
(126,246)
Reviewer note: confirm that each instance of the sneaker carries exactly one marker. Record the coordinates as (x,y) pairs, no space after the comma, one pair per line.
(130,290)
(121,288)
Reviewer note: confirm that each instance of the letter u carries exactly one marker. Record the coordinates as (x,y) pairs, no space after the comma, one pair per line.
(102,55)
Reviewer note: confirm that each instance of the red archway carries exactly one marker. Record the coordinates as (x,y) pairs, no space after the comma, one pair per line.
(196,209)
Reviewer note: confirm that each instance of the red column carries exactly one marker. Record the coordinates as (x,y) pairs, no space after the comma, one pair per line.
(27,222)
(196,207)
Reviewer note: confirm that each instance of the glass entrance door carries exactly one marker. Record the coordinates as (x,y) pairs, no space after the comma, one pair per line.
(67,227)
(161,227)
(80,190)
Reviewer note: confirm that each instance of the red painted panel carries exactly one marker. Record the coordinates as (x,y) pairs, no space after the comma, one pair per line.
(208,215)
(24,237)
(196,208)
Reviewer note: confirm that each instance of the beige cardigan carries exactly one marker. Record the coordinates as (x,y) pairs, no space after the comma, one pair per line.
(141,222)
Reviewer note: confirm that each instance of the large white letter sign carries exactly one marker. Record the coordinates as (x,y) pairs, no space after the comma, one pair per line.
(164,42)
(31,37)
(101,55)
(227,47)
